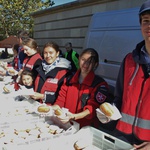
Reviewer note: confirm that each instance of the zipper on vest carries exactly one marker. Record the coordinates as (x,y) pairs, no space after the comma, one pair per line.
(134,74)
(137,107)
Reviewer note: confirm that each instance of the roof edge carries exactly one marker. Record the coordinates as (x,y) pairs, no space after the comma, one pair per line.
(68,6)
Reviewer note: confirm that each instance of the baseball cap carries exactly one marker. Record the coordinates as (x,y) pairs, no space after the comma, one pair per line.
(145,6)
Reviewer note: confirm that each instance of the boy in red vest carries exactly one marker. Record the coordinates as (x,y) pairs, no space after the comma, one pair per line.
(132,94)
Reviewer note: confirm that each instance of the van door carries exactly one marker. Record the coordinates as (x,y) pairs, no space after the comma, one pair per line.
(113,34)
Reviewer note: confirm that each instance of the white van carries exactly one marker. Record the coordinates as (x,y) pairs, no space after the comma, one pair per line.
(113,34)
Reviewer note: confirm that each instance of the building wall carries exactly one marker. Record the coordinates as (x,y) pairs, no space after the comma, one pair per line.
(69,22)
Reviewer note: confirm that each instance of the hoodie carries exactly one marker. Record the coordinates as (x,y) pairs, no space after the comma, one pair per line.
(141,57)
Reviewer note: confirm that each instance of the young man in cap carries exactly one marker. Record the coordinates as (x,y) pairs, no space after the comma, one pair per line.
(132,94)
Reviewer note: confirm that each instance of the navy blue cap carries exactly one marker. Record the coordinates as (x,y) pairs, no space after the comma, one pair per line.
(145,6)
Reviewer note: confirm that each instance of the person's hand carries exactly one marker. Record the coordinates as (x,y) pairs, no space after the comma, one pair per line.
(102,118)
(143,146)
(4,65)
(37,96)
(66,117)
(3,73)
(19,73)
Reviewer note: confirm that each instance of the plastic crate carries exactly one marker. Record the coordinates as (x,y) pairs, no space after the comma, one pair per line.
(101,140)
(93,139)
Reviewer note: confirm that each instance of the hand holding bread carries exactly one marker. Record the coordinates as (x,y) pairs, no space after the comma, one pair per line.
(12,71)
(107,109)
(58,112)
(62,114)
(107,112)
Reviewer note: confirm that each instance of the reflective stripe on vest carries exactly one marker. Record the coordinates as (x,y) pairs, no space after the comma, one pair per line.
(145,124)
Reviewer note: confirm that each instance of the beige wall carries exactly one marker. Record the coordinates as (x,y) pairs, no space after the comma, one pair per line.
(69,22)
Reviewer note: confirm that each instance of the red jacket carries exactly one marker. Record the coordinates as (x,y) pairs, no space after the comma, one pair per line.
(135,103)
(29,62)
(78,97)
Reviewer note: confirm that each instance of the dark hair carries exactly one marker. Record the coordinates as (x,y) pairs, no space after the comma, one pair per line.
(94,59)
(30,43)
(22,34)
(50,44)
(26,72)
(142,14)
(68,44)
(16,47)
(53,45)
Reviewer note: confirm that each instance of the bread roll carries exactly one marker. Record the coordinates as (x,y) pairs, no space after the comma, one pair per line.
(58,112)
(11,71)
(80,144)
(43,109)
(6,89)
(107,109)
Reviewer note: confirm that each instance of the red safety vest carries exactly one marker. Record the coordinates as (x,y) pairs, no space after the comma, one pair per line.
(136,101)
(30,61)
(51,84)
(16,59)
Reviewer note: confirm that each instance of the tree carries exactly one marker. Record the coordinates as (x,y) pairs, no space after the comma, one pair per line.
(15,14)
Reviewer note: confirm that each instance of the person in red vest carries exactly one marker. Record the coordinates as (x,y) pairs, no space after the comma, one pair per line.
(33,58)
(51,74)
(14,63)
(83,92)
(132,93)
(16,57)
(21,35)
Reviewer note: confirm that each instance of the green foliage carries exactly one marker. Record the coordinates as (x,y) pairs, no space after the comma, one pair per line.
(15,15)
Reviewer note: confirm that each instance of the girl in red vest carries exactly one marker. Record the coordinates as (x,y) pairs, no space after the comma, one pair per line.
(51,74)
(83,92)
(33,58)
